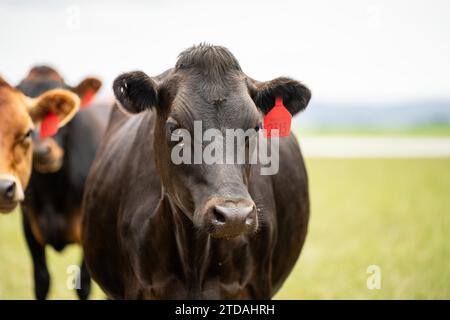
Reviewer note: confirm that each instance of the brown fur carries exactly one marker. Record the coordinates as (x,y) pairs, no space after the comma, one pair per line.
(17,114)
(61,102)
(15,149)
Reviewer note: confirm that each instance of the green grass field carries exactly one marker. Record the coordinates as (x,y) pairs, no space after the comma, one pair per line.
(432,130)
(391,213)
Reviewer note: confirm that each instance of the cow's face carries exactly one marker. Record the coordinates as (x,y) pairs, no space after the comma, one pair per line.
(18,117)
(48,153)
(207,85)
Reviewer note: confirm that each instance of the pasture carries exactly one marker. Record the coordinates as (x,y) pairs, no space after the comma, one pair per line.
(393,213)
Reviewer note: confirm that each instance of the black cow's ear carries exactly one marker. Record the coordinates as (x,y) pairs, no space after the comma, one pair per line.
(87,86)
(135,91)
(295,95)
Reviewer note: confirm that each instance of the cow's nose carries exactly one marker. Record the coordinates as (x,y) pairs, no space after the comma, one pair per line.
(231,219)
(7,190)
(236,215)
(42,151)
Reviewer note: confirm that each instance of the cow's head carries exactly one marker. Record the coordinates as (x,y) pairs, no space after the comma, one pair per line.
(19,115)
(207,84)
(48,153)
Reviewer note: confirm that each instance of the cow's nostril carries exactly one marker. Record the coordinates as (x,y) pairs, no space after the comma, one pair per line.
(7,190)
(218,216)
(231,219)
(10,191)
(43,151)
(233,215)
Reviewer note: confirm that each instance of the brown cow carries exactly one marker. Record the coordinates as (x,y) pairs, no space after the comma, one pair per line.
(19,115)
(154,229)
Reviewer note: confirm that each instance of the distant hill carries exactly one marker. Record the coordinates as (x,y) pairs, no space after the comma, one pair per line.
(366,116)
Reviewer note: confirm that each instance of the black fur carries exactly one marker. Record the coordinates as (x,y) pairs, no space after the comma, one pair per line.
(52,200)
(155,216)
(135,91)
(295,95)
(44,70)
(212,61)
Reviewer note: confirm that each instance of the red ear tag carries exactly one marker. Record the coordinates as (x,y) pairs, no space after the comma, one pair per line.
(49,126)
(279,118)
(87,99)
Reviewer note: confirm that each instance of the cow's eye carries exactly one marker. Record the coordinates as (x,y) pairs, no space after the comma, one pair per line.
(27,135)
(171,127)
(257,127)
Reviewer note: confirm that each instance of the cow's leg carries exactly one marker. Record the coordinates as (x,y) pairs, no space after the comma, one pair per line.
(84,281)
(41,275)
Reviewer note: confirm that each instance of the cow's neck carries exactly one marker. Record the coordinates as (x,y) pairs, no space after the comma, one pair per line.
(193,248)
(199,254)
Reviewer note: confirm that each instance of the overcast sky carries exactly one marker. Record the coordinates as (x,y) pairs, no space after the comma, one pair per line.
(345,51)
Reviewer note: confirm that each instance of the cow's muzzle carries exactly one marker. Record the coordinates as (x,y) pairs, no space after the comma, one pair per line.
(11,194)
(230,218)
(47,156)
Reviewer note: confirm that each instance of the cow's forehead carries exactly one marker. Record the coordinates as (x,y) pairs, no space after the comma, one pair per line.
(230,107)
(208,85)
(44,73)
(211,61)
(39,80)
(14,117)
(10,96)
(34,88)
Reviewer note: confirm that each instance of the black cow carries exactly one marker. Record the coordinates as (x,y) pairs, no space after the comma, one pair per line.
(154,229)
(52,207)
